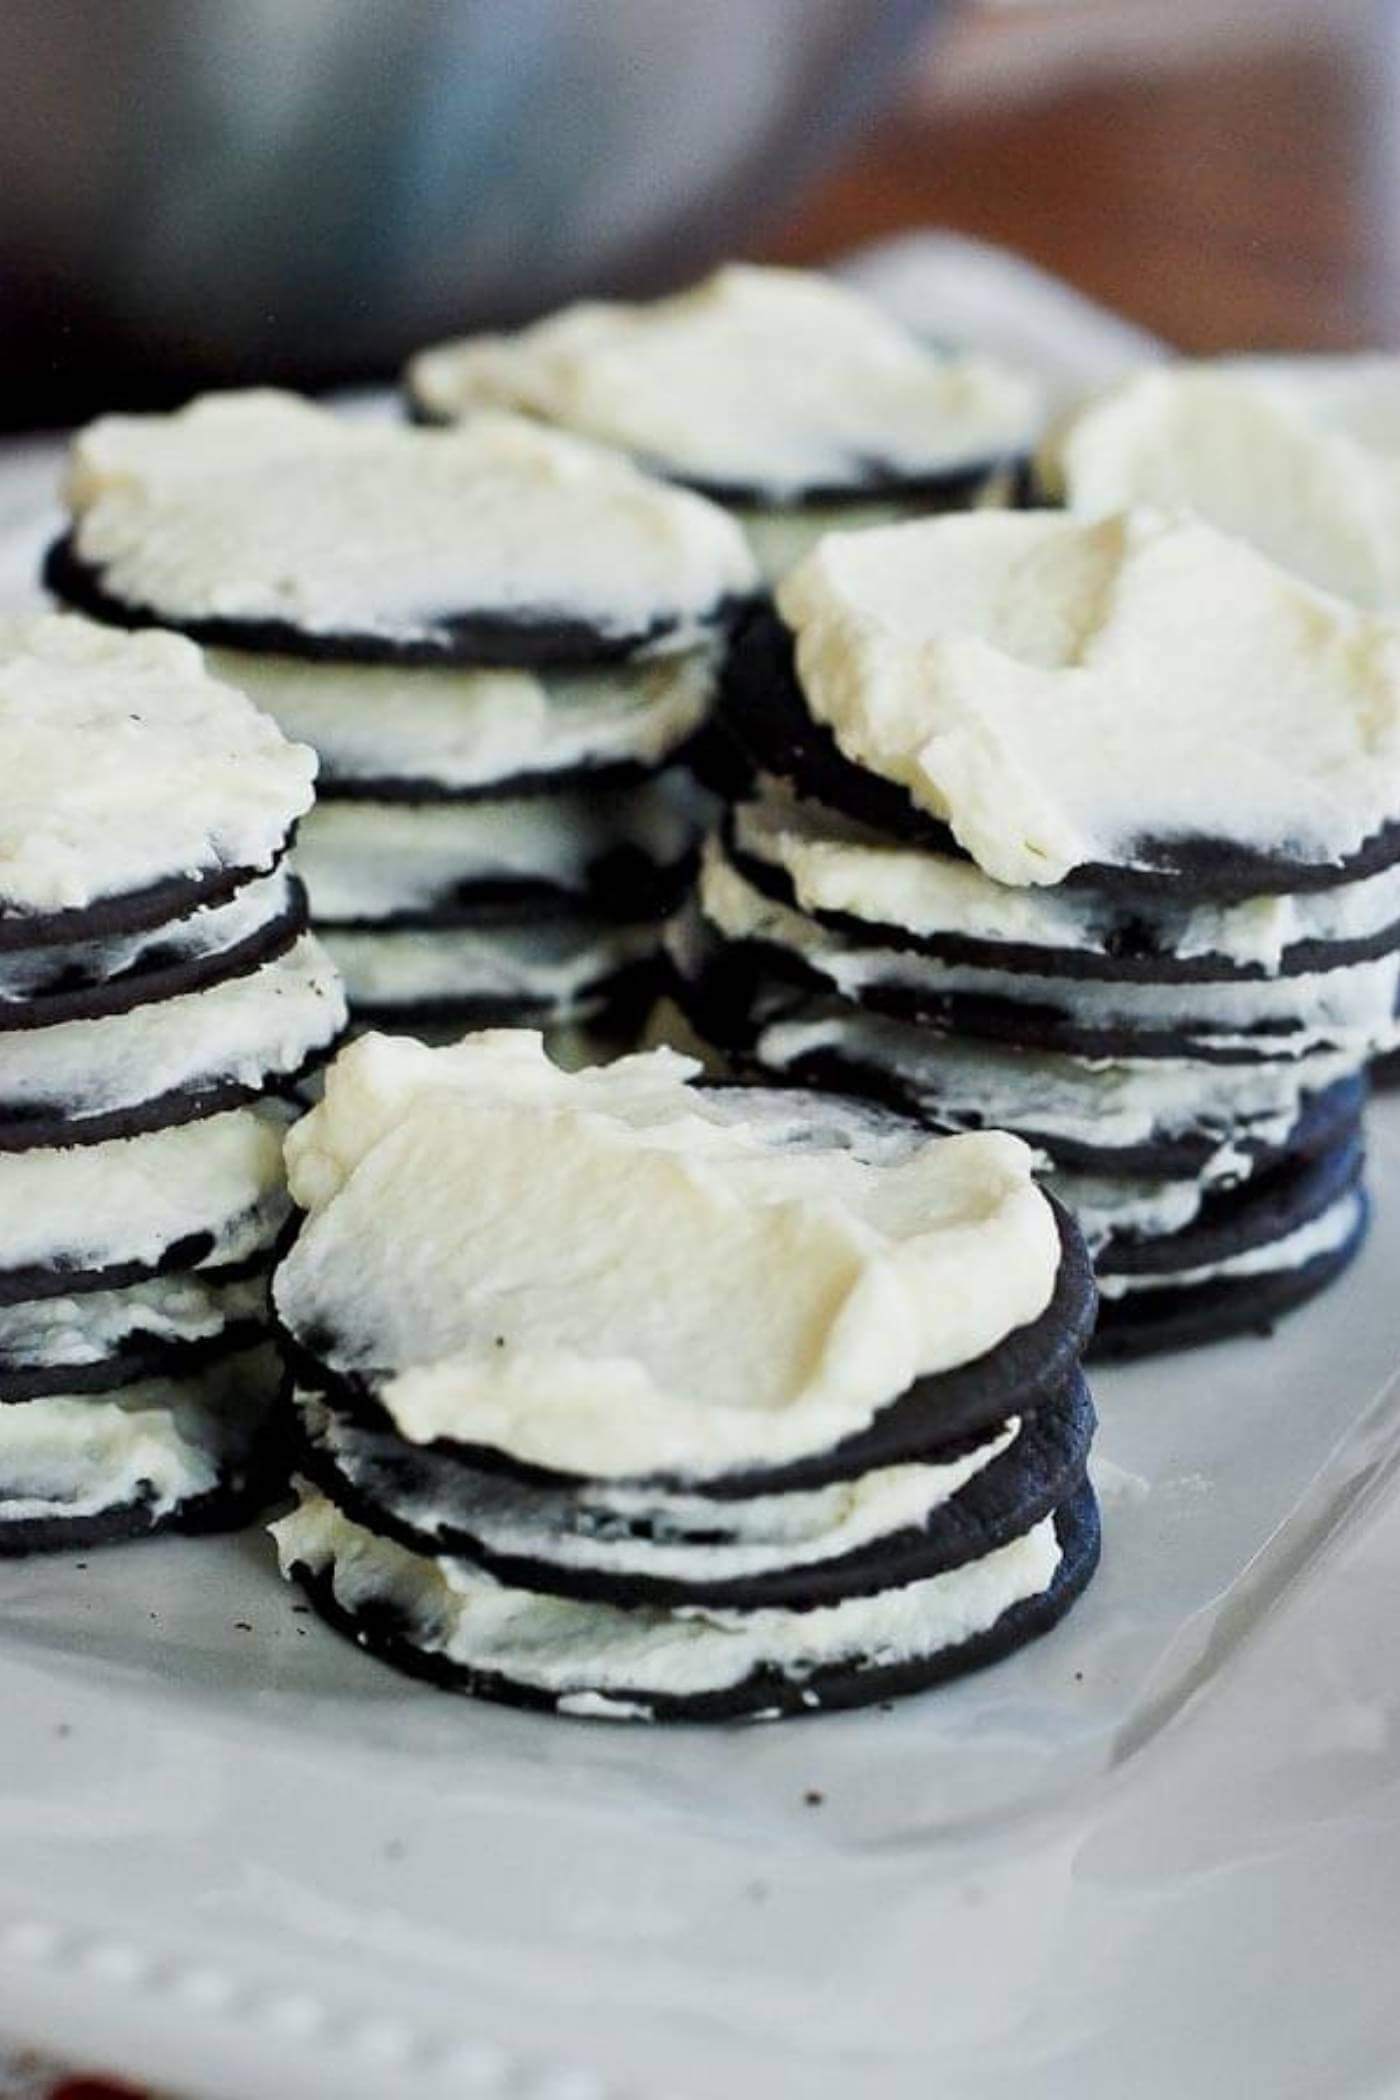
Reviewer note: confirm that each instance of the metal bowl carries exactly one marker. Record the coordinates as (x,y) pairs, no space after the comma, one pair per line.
(215,190)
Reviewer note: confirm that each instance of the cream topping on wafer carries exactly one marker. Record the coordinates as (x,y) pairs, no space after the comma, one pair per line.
(260,506)
(124,763)
(613,1273)
(1064,692)
(247,1032)
(1298,455)
(162,1442)
(765,380)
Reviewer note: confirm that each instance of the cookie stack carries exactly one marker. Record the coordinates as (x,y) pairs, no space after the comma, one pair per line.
(498,640)
(158,990)
(1088,831)
(783,394)
(634,1399)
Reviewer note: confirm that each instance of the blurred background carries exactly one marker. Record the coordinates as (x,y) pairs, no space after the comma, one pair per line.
(197,192)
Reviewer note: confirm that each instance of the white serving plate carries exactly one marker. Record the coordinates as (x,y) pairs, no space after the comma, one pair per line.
(1156,1855)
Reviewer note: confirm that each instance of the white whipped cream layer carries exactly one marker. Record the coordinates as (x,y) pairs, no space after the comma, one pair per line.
(582,1653)
(162,1442)
(1298,455)
(94,1325)
(259,506)
(1099,1104)
(368,861)
(616,1530)
(1351,1010)
(246,1032)
(559,965)
(1323,1235)
(213,930)
(612,1273)
(126,763)
(462,730)
(835,865)
(1060,691)
(764,380)
(130,1200)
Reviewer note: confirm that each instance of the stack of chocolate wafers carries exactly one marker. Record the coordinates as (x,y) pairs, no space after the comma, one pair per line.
(159,992)
(499,640)
(640,1400)
(1088,831)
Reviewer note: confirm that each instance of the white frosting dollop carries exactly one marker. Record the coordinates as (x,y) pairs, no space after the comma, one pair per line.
(611,1273)
(762,380)
(260,506)
(1060,691)
(123,763)
(1298,455)
(1351,1009)
(438,727)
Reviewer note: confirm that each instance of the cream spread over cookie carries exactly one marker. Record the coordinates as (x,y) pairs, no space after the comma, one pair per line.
(762,380)
(611,1273)
(1298,455)
(124,763)
(259,506)
(1064,692)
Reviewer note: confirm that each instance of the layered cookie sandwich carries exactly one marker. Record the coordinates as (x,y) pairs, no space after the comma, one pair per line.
(1087,831)
(783,394)
(627,1397)
(159,996)
(501,642)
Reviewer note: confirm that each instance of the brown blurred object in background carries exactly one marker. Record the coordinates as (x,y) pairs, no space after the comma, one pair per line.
(1219,170)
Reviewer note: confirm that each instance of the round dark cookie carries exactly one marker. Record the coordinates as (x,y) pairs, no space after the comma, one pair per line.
(155,981)
(136,911)
(1132,951)
(766,1693)
(140,1357)
(37,1281)
(1268,1207)
(231,1506)
(1149,1323)
(1172,1157)
(623,886)
(525,638)
(763,707)
(726,988)
(1017,1376)
(621,1000)
(50,1124)
(1006,1499)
